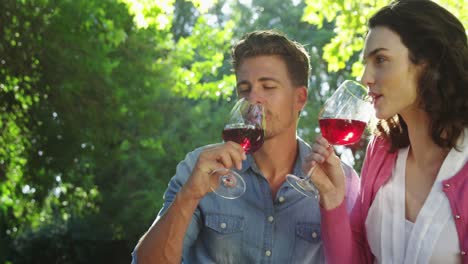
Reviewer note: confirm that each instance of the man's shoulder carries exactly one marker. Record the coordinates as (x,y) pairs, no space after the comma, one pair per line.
(193,155)
(302,142)
(304,147)
(185,166)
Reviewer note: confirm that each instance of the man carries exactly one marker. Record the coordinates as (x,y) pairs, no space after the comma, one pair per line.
(271,222)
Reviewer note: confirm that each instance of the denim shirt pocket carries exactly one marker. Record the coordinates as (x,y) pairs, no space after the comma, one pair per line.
(308,247)
(223,238)
(309,232)
(224,224)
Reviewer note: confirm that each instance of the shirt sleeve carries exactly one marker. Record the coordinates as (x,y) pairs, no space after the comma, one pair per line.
(352,186)
(183,172)
(343,233)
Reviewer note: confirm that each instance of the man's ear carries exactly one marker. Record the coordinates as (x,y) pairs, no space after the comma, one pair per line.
(301,97)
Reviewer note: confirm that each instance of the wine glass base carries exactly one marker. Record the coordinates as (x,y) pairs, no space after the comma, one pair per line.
(303,186)
(227,183)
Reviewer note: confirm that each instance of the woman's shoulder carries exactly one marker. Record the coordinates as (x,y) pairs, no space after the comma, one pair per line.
(378,159)
(378,145)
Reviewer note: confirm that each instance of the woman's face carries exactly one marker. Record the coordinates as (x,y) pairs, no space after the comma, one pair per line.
(389,74)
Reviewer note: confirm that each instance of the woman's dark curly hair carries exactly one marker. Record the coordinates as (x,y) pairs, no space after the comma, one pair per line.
(438,39)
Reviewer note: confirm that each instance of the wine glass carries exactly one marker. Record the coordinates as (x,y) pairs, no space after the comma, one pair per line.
(342,121)
(245,126)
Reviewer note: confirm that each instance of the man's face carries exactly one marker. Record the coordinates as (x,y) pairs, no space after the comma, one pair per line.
(265,80)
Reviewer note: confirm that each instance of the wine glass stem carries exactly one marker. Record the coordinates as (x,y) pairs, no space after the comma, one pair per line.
(308,182)
(309,174)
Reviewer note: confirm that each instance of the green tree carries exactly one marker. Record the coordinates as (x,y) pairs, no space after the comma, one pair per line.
(350,18)
(92,93)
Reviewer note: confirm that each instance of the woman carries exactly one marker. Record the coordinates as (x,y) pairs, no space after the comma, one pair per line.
(413,205)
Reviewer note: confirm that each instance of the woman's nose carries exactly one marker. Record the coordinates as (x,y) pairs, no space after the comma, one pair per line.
(367,78)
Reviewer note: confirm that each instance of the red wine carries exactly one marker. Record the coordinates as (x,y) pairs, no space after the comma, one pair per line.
(248,136)
(341,131)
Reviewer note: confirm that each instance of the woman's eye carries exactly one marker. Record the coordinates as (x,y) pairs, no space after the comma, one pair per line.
(380,59)
(269,87)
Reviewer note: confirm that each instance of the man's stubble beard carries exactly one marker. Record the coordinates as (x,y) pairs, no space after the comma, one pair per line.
(272,132)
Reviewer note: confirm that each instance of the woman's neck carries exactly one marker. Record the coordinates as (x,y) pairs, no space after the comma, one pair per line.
(423,149)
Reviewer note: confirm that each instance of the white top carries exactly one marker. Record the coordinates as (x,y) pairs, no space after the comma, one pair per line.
(433,237)
(446,249)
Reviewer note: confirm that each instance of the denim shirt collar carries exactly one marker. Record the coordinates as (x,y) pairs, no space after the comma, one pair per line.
(304,150)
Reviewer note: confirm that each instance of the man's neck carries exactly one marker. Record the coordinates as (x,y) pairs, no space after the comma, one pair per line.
(277,157)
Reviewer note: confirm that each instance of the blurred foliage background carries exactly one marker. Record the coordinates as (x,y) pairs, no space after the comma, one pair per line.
(100,99)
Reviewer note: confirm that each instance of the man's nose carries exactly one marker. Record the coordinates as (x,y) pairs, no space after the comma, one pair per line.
(256,96)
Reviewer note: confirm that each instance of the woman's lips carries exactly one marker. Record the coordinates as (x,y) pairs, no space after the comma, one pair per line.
(375,97)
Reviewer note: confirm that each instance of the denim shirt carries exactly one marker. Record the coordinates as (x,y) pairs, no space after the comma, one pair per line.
(254,228)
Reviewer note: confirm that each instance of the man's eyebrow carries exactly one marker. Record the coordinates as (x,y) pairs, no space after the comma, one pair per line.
(262,79)
(268,79)
(372,53)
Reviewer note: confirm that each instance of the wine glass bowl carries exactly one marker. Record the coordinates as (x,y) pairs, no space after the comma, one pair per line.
(248,136)
(245,126)
(345,114)
(341,131)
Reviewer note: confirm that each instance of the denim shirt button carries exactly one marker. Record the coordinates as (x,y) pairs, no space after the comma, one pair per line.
(223,225)
(281,199)
(270,219)
(314,234)
(268,253)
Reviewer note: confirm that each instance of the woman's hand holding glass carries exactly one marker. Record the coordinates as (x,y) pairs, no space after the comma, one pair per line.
(342,120)
(327,173)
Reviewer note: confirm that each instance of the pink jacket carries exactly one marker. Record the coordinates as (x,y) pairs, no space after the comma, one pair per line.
(344,236)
